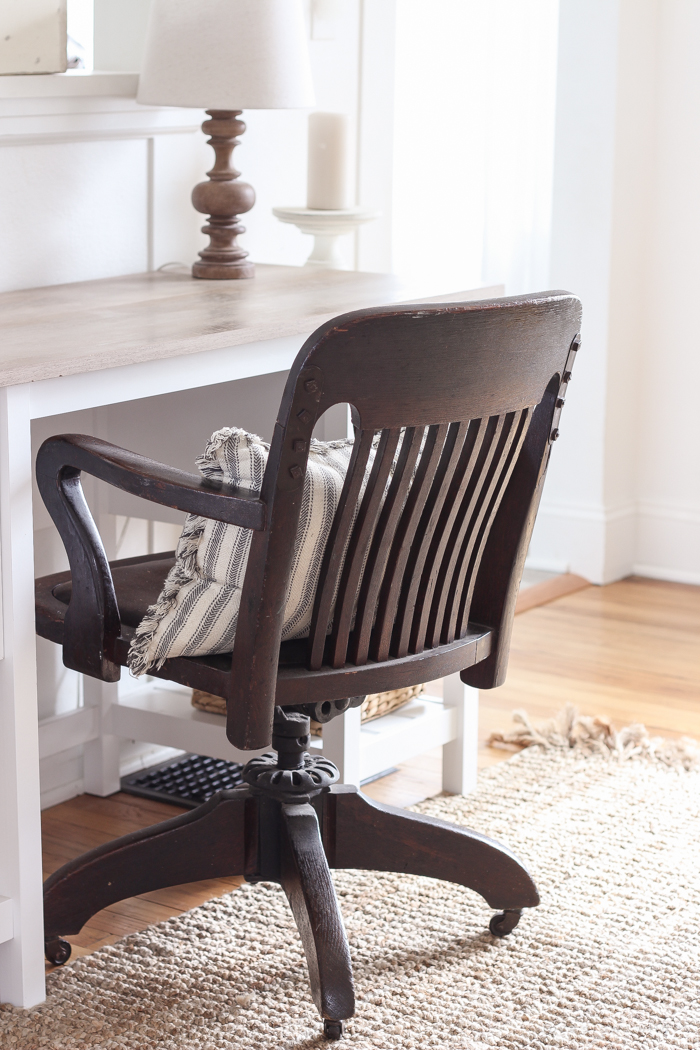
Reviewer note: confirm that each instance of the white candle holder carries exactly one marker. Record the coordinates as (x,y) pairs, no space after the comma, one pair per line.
(325,227)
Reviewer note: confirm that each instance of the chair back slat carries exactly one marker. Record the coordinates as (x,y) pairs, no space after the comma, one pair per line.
(382,542)
(332,564)
(411,631)
(443,621)
(403,546)
(444,610)
(360,538)
(467,584)
(404,565)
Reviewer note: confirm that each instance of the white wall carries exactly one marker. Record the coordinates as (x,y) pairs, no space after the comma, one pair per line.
(547,144)
(115,184)
(570,532)
(119,32)
(473,141)
(623,491)
(91,184)
(668,434)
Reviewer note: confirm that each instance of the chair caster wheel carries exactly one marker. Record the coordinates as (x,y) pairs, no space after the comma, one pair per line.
(504,923)
(57,951)
(332,1029)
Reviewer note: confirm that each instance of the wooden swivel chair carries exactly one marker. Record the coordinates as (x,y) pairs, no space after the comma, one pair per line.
(462,403)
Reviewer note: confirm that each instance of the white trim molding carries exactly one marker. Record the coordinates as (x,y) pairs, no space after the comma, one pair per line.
(588,511)
(74,83)
(591,540)
(606,543)
(668,541)
(669,511)
(7,919)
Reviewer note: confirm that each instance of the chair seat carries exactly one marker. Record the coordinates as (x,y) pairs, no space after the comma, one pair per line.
(138,582)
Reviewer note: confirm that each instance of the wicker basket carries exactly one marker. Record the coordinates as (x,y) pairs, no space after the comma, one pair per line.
(374,706)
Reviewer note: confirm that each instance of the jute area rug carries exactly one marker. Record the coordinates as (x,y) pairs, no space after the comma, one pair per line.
(610,959)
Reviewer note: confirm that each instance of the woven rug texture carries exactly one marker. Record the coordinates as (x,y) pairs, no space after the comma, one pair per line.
(610,959)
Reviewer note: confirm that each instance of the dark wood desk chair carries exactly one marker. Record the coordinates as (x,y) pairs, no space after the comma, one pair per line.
(424,581)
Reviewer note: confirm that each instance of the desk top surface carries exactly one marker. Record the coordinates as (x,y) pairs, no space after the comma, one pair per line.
(83,327)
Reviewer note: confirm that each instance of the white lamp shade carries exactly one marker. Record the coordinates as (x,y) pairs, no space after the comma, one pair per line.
(226,54)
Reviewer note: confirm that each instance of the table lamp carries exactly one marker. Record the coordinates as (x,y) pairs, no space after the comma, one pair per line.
(225,56)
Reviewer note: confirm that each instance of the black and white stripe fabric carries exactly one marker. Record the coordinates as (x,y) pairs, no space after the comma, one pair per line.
(197,610)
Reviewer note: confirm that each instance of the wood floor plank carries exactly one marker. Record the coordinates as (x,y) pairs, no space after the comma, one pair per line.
(549,591)
(181,898)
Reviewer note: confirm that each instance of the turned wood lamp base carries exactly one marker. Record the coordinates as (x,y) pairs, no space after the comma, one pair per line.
(223,198)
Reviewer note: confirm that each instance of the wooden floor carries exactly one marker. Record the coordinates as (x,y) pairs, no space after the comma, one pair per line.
(630,651)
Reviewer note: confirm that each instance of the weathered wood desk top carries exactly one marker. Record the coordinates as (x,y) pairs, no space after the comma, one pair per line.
(83,327)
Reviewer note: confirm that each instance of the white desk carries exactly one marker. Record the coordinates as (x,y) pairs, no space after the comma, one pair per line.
(81,346)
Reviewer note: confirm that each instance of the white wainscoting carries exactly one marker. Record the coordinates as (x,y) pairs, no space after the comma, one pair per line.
(94,185)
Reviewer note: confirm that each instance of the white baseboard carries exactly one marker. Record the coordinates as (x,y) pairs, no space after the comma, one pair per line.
(664,572)
(668,542)
(62,793)
(669,511)
(150,756)
(62,773)
(541,563)
(604,544)
(591,541)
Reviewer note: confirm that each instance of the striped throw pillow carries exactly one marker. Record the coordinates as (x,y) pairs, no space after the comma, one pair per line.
(197,609)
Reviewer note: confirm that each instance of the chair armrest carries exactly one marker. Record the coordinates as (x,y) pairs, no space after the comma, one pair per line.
(150,480)
(92,623)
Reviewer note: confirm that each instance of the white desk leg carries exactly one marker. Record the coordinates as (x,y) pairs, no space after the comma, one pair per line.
(459,756)
(341,743)
(101,756)
(22,957)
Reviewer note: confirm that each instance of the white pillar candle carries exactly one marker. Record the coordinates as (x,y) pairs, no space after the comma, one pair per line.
(327,175)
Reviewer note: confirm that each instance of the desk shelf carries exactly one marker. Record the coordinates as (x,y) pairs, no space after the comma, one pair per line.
(162,714)
(165,716)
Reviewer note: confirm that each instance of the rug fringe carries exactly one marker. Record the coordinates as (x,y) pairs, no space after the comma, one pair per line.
(139,658)
(596,736)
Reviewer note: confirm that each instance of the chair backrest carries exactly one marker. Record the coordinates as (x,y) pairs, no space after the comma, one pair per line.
(455,407)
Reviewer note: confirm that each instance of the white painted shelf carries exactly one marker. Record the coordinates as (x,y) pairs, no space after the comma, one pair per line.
(162,714)
(75,83)
(423,724)
(159,714)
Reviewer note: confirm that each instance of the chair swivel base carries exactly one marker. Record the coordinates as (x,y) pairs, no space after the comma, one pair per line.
(289,824)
